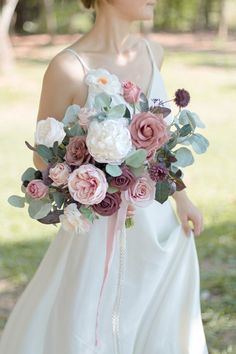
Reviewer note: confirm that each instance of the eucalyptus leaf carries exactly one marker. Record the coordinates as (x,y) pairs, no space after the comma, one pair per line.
(117,111)
(102,100)
(113,170)
(45,152)
(162,191)
(199,143)
(16,201)
(185,130)
(137,158)
(112,189)
(137,171)
(39,208)
(59,198)
(28,175)
(184,157)
(186,117)
(197,120)
(71,114)
(88,213)
(76,130)
(143,103)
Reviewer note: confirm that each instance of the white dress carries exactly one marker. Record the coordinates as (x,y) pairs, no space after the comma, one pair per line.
(150,299)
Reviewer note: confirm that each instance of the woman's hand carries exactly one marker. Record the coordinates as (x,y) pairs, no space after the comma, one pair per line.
(187,211)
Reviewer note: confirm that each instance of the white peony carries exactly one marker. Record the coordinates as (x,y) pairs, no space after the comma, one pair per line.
(101,80)
(73,220)
(109,141)
(48,131)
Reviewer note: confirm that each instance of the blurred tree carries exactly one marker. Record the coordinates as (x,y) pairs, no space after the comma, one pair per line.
(49,15)
(6,53)
(223,28)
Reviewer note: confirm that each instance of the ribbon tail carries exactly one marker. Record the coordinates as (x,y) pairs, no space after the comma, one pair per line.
(115,224)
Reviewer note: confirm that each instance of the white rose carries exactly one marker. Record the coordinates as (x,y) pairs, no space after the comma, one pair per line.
(73,220)
(109,141)
(48,131)
(101,80)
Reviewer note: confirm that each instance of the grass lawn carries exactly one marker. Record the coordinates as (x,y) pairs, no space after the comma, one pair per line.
(210,78)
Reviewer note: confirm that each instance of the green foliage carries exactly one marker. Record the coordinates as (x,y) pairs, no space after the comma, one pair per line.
(137,158)
(38,208)
(113,170)
(16,201)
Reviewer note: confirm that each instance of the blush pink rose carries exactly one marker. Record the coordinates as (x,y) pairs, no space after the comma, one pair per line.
(59,174)
(87,184)
(142,192)
(77,151)
(148,131)
(131,92)
(83,116)
(37,189)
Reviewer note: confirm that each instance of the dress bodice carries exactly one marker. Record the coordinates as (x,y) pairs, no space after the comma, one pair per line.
(156,89)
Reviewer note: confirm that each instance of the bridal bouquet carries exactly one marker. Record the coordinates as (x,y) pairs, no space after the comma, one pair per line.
(100,155)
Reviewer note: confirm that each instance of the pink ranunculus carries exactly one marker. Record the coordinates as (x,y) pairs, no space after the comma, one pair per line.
(148,131)
(109,205)
(131,92)
(37,189)
(59,174)
(87,184)
(83,116)
(142,192)
(77,151)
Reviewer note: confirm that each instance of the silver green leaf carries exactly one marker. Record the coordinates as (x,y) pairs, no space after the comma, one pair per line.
(71,114)
(113,170)
(16,201)
(199,143)
(28,175)
(39,208)
(137,158)
(117,111)
(102,100)
(184,157)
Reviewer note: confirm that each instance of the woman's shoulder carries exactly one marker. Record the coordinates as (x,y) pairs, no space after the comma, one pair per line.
(64,71)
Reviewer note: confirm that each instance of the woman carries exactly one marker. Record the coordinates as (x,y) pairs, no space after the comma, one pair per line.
(150,306)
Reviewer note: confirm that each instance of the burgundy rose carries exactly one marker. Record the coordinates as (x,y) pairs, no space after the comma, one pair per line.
(109,205)
(131,92)
(77,152)
(125,180)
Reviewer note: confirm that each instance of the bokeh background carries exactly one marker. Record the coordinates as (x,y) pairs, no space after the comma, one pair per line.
(199,39)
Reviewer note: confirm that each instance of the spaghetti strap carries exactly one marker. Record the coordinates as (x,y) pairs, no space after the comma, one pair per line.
(84,65)
(150,53)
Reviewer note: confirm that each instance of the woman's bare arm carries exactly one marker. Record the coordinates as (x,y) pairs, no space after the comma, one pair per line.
(62,80)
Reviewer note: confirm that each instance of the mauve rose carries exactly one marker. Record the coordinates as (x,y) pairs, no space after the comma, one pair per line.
(37,189)
(77,152)
(109,205)
(142,192)
(83,116)
(124,181)
(148,131)
(131,92)
(59,174)
(87,184)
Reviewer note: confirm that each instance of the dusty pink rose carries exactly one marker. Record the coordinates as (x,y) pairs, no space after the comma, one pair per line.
(123,181)
(142,192)
(87,184)
(83,116)
(59,174)
(37,189)
(109,205)
(77,152)
(131,92)
(148,131)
